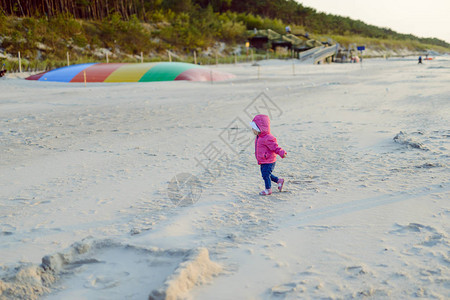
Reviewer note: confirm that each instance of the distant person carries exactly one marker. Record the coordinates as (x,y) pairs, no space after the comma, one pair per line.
(255,31)
(420,59)
(266,150)
(288,29)
(2,72)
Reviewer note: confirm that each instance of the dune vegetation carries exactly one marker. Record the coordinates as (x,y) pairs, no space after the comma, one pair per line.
(44,32)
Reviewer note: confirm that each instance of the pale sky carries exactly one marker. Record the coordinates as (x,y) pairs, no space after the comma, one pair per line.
(430,18)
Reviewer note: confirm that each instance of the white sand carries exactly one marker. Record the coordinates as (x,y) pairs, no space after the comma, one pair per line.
(84,176)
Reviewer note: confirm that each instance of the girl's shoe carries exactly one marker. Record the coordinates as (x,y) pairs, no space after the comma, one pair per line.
(266,192)
(280,184)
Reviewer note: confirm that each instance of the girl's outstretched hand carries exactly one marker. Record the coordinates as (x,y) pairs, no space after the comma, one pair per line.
(285,154)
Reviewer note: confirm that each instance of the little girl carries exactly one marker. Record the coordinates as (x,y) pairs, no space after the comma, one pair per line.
(266,150)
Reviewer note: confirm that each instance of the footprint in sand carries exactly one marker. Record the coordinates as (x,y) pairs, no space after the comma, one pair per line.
(355,271)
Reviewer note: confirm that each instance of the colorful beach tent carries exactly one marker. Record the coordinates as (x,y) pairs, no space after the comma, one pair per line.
(132,72)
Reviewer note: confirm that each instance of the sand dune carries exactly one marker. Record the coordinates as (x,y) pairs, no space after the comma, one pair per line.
(131,191)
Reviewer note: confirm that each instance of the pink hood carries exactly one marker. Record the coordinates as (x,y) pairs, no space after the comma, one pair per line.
(266,146)
(263,123)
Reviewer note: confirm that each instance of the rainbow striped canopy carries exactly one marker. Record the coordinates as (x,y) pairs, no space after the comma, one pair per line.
(131,72)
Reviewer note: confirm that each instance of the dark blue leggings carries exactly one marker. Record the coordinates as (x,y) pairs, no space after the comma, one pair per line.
(266,173)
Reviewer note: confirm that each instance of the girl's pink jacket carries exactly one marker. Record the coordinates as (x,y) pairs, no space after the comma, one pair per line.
(266,146)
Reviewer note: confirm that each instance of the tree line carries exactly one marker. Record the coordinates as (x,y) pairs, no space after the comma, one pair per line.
(81,9)
(287,11)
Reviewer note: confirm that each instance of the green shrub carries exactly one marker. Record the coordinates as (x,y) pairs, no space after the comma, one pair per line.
(232,32)
(251,21)
(130,36)
(156,16)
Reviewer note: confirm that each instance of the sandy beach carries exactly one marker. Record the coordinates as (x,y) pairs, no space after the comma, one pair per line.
(150,190)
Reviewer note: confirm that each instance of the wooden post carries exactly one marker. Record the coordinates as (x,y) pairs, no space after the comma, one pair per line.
(235,58)
(217,61)
(84,73)
(170,56)
(68,60)
(20,63)
(195,57)
(107,58)
(142,57)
